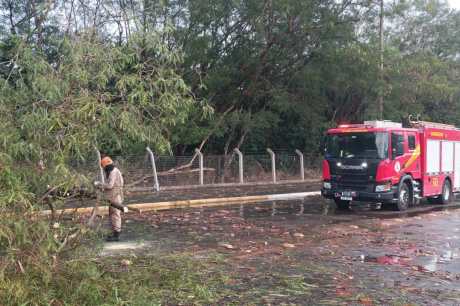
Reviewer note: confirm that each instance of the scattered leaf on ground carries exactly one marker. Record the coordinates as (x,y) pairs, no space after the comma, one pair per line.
(366,301)
(227,246)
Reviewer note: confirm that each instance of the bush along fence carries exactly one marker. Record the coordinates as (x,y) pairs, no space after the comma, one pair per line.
(152,172)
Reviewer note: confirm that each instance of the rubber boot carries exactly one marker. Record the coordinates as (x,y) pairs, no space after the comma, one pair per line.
(114,237)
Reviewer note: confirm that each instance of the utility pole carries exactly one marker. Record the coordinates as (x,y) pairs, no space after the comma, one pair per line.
(380,97)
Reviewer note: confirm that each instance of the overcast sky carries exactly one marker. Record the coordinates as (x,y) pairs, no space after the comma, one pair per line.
(455,3)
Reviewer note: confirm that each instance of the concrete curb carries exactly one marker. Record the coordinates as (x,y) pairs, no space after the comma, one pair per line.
(211,202)
(247,184)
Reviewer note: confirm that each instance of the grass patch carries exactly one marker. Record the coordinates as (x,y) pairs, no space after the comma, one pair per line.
(110,281)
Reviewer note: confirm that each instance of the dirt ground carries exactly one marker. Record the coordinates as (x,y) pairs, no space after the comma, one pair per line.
(305,252)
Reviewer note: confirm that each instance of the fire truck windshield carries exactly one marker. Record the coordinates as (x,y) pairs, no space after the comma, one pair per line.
(357,145)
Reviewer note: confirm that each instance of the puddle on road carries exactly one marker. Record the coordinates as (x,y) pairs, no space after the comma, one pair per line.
(287,208)
(320,206)
(434,227)
(177,232)
(122,247)
(438,233)
(429,240)
(446,262)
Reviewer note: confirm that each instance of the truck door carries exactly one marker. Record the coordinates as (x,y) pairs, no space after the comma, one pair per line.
(397,154)
(412,164)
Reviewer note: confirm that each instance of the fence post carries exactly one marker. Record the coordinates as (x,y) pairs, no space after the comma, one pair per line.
(101,171)
(302,169)
(156,186)
(272,155)
(200,159)
(240,165)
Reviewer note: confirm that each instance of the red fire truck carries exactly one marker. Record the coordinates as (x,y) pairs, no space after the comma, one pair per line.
(384,162)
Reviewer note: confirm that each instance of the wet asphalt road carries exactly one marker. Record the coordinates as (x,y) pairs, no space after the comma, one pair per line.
(411,256)
(418,222)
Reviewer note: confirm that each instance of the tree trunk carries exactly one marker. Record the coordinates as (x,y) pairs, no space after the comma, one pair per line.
(380,98)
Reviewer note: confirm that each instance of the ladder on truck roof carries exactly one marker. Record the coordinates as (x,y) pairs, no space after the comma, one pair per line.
(383,124)
(427,124)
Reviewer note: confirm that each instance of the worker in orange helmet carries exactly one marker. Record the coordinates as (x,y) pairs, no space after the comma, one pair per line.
(113,191)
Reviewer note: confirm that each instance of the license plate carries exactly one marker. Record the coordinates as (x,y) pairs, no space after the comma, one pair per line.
(347,195)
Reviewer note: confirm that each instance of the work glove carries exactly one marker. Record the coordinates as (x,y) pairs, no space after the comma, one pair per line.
(97,184)
(120,207)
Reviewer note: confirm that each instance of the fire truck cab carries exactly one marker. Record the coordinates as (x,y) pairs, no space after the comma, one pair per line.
(384,162)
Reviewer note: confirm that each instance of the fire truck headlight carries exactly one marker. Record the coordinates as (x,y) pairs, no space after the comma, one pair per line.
(383,187)
(327,185)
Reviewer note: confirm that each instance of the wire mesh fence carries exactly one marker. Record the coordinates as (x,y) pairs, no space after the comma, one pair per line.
(86,168)
(288,167)
(136,170)
(257,168)
(175,172)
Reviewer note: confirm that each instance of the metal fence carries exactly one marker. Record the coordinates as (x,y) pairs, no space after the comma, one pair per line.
(151,172)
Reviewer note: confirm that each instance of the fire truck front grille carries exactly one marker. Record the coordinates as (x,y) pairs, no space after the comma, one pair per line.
(351,181)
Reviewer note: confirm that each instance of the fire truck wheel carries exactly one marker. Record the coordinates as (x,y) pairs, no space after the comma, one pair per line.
(446,196)
(404,197)
(341,204)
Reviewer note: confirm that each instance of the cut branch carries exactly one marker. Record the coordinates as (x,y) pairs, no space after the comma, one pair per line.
(205,140)
(167,173)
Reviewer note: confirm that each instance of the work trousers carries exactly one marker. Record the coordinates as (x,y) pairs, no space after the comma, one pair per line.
(115,218)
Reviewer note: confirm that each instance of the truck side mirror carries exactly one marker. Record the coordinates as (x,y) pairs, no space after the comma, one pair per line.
(322,144)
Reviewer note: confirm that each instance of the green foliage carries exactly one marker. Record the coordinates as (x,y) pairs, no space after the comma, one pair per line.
(55,109)
(257,57)
(168,74)
(94,95)
(146,281)
(425,85)
(98,95)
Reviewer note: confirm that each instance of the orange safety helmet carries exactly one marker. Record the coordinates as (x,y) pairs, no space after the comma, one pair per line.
(106,161)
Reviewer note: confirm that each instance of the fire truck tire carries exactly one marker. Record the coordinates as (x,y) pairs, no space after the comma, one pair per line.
(341,204)
(446,196)
(405,198)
